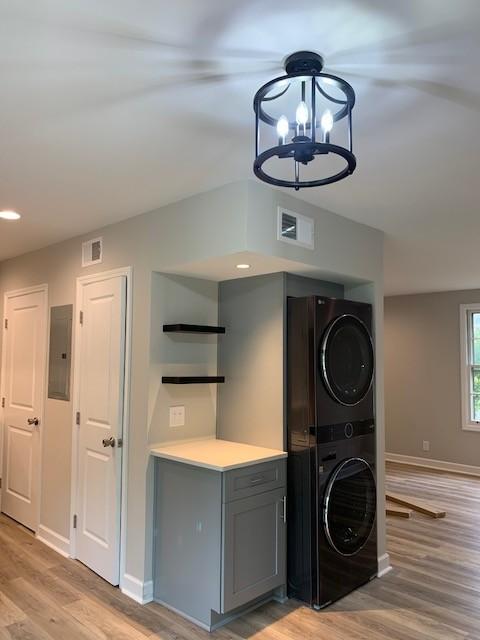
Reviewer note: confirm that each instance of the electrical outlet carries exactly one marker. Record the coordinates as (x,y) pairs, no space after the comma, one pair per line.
(426,445)
(177,416)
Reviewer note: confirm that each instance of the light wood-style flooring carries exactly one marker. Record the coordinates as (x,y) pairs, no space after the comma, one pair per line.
(433,592)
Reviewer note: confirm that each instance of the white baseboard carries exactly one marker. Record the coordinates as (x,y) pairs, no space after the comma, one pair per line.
(384,565)
(141,592)
(428,463)
(54,540)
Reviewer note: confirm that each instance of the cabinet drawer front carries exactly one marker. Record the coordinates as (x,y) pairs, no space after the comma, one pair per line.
(254,548)
(250,481)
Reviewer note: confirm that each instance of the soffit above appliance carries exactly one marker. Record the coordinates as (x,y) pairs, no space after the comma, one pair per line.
(303,126)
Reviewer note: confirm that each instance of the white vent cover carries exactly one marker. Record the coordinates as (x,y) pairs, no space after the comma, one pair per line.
(92,252)
(295,228)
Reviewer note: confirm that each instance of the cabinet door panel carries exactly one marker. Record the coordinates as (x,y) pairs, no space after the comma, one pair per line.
(253,548)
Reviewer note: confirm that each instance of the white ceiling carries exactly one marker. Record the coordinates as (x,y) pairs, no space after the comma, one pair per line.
(110,108)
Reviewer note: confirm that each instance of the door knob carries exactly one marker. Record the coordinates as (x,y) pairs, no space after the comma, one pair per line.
(33,421)
(108,442)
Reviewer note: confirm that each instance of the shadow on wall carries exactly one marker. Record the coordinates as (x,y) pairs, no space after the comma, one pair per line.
(178,299)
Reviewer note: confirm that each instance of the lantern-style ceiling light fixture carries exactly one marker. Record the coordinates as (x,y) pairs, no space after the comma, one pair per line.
(303,126)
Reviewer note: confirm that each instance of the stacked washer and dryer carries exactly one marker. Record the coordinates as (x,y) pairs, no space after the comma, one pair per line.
(332,547)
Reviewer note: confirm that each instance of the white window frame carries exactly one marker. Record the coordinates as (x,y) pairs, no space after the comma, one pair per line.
(466,312)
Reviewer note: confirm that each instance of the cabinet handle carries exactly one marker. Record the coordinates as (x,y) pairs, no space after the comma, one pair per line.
(257,480)
(284,514)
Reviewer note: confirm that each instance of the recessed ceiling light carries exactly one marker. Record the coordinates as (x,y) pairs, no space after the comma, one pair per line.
(9,215)
(243,266)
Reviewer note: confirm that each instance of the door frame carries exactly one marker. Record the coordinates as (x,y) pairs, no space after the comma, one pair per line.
(14,293)
(81,281)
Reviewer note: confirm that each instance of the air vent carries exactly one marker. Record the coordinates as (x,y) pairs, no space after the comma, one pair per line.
(289,226)
(295,228)
(92,252)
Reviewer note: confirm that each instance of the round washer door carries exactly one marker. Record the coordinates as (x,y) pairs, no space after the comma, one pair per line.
(347,360)
(350,506)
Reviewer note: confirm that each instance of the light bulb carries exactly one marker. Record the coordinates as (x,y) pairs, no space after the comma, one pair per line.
(327,121)
(302,113)
(283,127)
(9,215)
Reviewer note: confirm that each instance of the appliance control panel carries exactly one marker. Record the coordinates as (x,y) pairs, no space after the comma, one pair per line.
(344,431)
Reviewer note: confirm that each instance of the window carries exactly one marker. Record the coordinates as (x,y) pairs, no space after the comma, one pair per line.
(470,363)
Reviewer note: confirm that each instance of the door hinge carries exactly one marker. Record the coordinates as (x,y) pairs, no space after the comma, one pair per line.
(75,521)
(81,317)
(3,403)
(77,418)
(6,323)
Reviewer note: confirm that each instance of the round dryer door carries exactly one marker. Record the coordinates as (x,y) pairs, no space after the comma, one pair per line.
(347,360)
(350,506)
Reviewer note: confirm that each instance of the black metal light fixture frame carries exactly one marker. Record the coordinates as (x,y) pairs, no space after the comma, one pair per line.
(304,68)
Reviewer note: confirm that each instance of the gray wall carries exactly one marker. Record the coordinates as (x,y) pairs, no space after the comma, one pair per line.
(345,251)
(177,299)
(298,286)
(151,242)
(252,355)
(235,218)
(422,377)
(250,404)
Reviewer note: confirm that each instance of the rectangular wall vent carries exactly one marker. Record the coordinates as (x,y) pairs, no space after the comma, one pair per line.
(289,226)
(295,228)
(92,252)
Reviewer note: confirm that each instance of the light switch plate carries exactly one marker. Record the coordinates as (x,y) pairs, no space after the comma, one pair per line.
(177,416)
(426,445)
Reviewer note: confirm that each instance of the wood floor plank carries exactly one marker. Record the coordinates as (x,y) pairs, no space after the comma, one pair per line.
(147,619)
(45,612)
(26,630)
(432,593)
(101,621)
(9,612)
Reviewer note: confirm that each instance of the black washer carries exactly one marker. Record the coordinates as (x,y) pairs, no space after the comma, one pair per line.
(350,504)
(346,360)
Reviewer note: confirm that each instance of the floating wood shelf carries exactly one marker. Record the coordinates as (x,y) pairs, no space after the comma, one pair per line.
(192,379)
(192,328)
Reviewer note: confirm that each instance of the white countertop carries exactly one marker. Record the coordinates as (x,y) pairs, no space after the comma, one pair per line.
(218,455)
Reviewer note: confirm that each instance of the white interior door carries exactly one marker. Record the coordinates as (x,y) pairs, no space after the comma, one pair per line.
(100,370)
(25,345)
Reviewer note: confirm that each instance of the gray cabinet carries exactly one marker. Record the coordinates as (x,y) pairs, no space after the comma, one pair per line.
(253,548)
(220,538)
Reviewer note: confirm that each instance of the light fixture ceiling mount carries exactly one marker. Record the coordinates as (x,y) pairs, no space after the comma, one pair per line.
(321,129)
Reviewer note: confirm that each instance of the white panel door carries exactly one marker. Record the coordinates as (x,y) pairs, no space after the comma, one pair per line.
(100,403)
(24,388)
